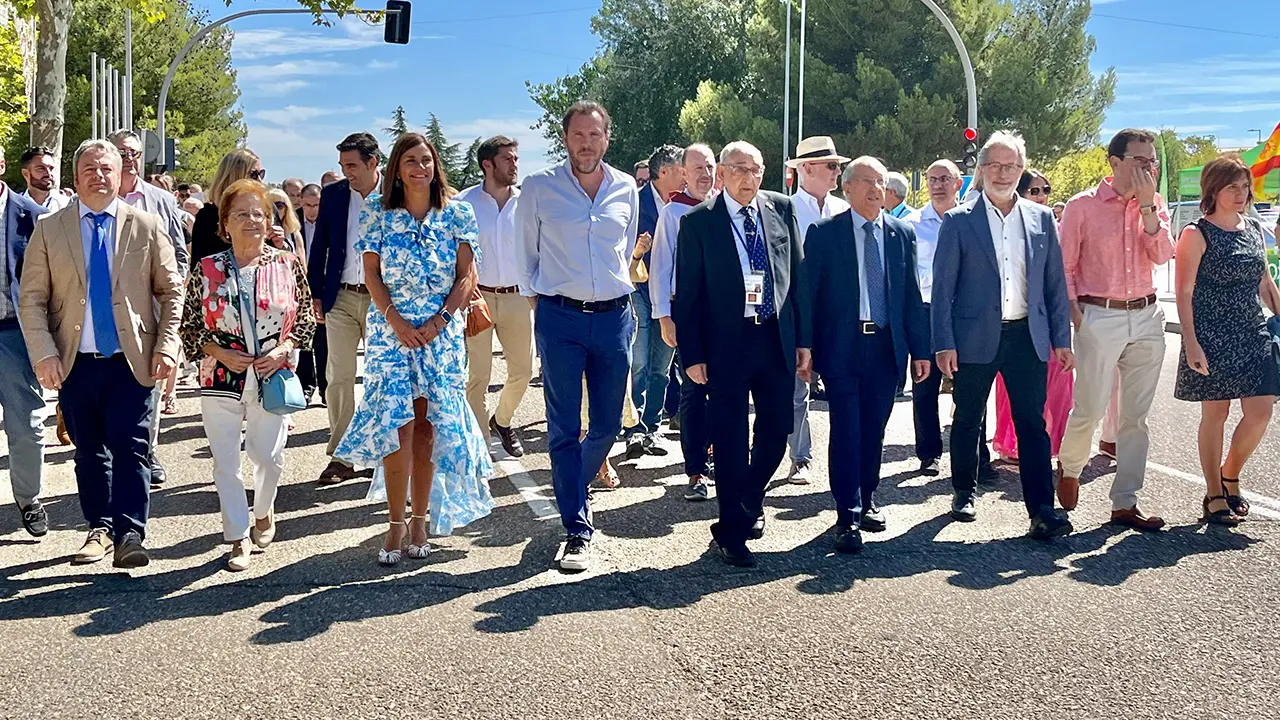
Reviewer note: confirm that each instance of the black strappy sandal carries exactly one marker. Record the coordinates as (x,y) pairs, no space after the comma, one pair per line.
(1225,517)
(1238,504)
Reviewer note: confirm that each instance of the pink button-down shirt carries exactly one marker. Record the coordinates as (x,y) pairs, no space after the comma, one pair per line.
(1106,251)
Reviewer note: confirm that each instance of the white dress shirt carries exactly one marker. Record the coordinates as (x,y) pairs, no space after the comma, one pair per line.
(88,340)
(808,213)
(739,239)
(1010,237)
(308,234)
(860,241)
(353,265)
(498,243)
(659,201)
(662,261)
(572,245)
(55,202)
(927,223)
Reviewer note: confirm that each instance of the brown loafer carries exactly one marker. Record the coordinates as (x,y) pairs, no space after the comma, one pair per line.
(1134,518)
(1068,491)
(1107,449)
(335,472)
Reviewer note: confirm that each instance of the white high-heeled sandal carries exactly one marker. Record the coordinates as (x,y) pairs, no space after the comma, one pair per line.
(391,558)
(418,552)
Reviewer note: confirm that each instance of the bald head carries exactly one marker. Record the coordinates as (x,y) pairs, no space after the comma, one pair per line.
(743,171)
(863,182)
(944,181)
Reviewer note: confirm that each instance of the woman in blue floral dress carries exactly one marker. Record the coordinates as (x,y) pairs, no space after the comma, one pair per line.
(413,421)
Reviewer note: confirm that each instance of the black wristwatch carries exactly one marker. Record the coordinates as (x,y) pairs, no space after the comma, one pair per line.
(445,315)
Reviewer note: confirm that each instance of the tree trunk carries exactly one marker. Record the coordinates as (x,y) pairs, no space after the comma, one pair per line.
(53,26)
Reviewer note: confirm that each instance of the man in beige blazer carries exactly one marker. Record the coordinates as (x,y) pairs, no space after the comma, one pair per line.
(94,275)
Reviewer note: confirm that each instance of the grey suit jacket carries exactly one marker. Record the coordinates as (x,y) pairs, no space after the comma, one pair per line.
(171,219)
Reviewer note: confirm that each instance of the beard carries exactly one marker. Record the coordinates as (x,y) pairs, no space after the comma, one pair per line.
(586,165)
(42,184)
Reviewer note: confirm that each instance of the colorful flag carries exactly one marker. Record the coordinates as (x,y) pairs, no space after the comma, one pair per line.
(1268,160)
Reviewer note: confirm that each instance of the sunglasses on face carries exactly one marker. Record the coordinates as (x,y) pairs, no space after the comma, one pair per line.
(258,175)
(281,206)
(1040,190)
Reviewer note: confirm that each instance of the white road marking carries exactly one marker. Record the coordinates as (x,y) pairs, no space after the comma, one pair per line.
(532,492)
(1267,507)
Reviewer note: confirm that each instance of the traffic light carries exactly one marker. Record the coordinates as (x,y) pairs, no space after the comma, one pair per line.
(970,160)
(170,154)
(395,28)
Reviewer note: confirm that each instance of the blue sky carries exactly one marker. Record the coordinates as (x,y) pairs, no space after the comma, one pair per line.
(305,87)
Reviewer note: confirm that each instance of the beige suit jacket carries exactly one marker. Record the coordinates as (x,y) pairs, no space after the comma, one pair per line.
(144,277)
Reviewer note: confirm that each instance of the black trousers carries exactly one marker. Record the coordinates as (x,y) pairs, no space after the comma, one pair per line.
(108,415)
(744,465)
(695,435)
(924,413)
(313,363)
(1025,375)
(859,407)
(675,381)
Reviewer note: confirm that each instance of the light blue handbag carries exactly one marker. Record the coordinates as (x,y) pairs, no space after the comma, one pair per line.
(281,393)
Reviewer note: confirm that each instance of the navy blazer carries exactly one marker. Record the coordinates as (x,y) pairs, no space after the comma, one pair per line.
(710,297)
(831,261)
(966,284)
(648,222)
(20,217)
(329,244)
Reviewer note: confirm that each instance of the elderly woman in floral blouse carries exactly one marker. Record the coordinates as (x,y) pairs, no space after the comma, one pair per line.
(241,323)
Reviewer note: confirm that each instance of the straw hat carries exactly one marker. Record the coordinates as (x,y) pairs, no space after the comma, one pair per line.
(818,147)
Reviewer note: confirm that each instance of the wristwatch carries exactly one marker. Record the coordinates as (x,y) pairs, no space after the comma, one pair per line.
(445,315)
(1148,208)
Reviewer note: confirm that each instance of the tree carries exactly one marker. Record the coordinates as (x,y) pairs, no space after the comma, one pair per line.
(13,96)
(1077,170)
(399,124)
(471,173)
(450,153)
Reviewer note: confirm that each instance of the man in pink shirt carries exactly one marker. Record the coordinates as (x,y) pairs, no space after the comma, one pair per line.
(1113,237)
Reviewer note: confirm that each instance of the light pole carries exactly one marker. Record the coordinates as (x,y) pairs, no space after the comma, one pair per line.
(804,17)
(1259,135)
(786,100)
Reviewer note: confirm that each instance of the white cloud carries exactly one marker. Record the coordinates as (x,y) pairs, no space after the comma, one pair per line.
(348,33)
(277,89)
(292,114)
(275,72)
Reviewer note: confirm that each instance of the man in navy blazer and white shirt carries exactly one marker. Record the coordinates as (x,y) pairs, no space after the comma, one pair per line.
(1000,306)
(861,347)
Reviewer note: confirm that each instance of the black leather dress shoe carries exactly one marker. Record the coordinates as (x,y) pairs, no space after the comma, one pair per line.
(635,447)
(757,530)
(963,508)
(738,556)
(158,474)
(35,519)
(929,467)
(848,540)
(1048,525)
(873,519)
(507,435)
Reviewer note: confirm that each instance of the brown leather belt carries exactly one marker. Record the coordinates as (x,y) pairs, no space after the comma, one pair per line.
(500,290)
(361,288)
(1134,304)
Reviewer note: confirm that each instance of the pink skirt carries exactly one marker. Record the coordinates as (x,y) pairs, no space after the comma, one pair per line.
(1057,408)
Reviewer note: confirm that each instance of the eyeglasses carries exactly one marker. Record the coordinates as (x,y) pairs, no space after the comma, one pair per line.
(944,180)
(1002,167)
(1145,162)
(258,175)
(1040,190)
(128,154)
(256,216)
(832,166)
(754,170)
(878,182)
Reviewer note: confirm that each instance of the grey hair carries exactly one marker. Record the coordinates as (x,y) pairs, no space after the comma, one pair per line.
(740,146)
(665,156)
(698,146)
(123,134)
(897,182)
(864,161)
(1000,138)
(96,145)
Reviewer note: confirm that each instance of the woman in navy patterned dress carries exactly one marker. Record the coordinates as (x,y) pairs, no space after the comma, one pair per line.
(413,420)
(1222,282)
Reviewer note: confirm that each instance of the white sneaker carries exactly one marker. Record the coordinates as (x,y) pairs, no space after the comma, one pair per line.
(799,473)
(577,554)
(239,558)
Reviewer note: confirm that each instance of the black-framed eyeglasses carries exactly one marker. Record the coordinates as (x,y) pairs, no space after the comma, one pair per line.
(1145,162)
(259,175)
(1040,190)
(128,154)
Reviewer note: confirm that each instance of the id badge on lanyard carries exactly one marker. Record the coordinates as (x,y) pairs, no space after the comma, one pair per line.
(753,281)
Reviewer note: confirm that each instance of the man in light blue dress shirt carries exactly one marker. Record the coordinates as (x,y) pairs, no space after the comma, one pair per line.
(576,226)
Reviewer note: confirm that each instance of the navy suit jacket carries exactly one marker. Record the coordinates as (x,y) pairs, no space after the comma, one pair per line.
(966,284)
(19,222)
(648,223)
(329,245)
(831,261)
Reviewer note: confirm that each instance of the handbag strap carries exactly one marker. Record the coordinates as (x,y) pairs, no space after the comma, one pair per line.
(249,308)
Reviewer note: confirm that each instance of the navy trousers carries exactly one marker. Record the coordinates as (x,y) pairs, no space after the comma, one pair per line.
(108,415)
(695,435)
(573,343)
(859,405)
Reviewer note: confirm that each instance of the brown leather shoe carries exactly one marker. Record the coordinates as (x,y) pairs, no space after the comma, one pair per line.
(335,472)
(64,437)
(1134,518)
(1068,491)
(95,547)
(1107,449)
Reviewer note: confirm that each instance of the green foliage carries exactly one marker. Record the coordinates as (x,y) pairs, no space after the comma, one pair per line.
(450,153)
(13,97)
(1076,171)
(399,124)
(471,173)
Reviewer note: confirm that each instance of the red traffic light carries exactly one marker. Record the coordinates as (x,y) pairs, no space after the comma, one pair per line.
(970,134)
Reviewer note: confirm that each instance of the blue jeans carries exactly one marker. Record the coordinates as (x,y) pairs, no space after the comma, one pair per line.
(573,343)
(800,440)
(650,365)
(24,416)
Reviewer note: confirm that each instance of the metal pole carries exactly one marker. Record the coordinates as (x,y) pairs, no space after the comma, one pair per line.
(804,20)
(115,99)
(969,82)
(128,68)
(199,34)
(102,93)
(93,95)
(786,102)
(111,100)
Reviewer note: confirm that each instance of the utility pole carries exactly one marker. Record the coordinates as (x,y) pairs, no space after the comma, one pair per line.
(786,101)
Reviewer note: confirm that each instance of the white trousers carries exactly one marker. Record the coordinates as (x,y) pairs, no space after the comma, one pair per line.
(265,435)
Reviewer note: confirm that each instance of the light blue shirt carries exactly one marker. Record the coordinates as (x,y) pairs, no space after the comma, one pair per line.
(860,239)
(662,261)
(88,341)
(927,223)
(571,245)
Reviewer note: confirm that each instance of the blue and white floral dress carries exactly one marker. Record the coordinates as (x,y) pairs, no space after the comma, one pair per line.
(419,262)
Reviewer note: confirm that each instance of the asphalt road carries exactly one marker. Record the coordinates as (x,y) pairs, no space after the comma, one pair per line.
(933,620)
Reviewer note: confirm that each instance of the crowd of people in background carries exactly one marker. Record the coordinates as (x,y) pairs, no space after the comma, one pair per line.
(685,294)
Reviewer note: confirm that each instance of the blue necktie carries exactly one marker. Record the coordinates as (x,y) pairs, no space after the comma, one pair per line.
(104,323)
(759,261)
(875,277)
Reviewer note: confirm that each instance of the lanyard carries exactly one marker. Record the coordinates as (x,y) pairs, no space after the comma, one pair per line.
(248,307)
(741,237)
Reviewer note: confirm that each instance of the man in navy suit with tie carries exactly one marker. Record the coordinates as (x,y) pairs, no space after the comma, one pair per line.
(1000,306)
(867,317)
